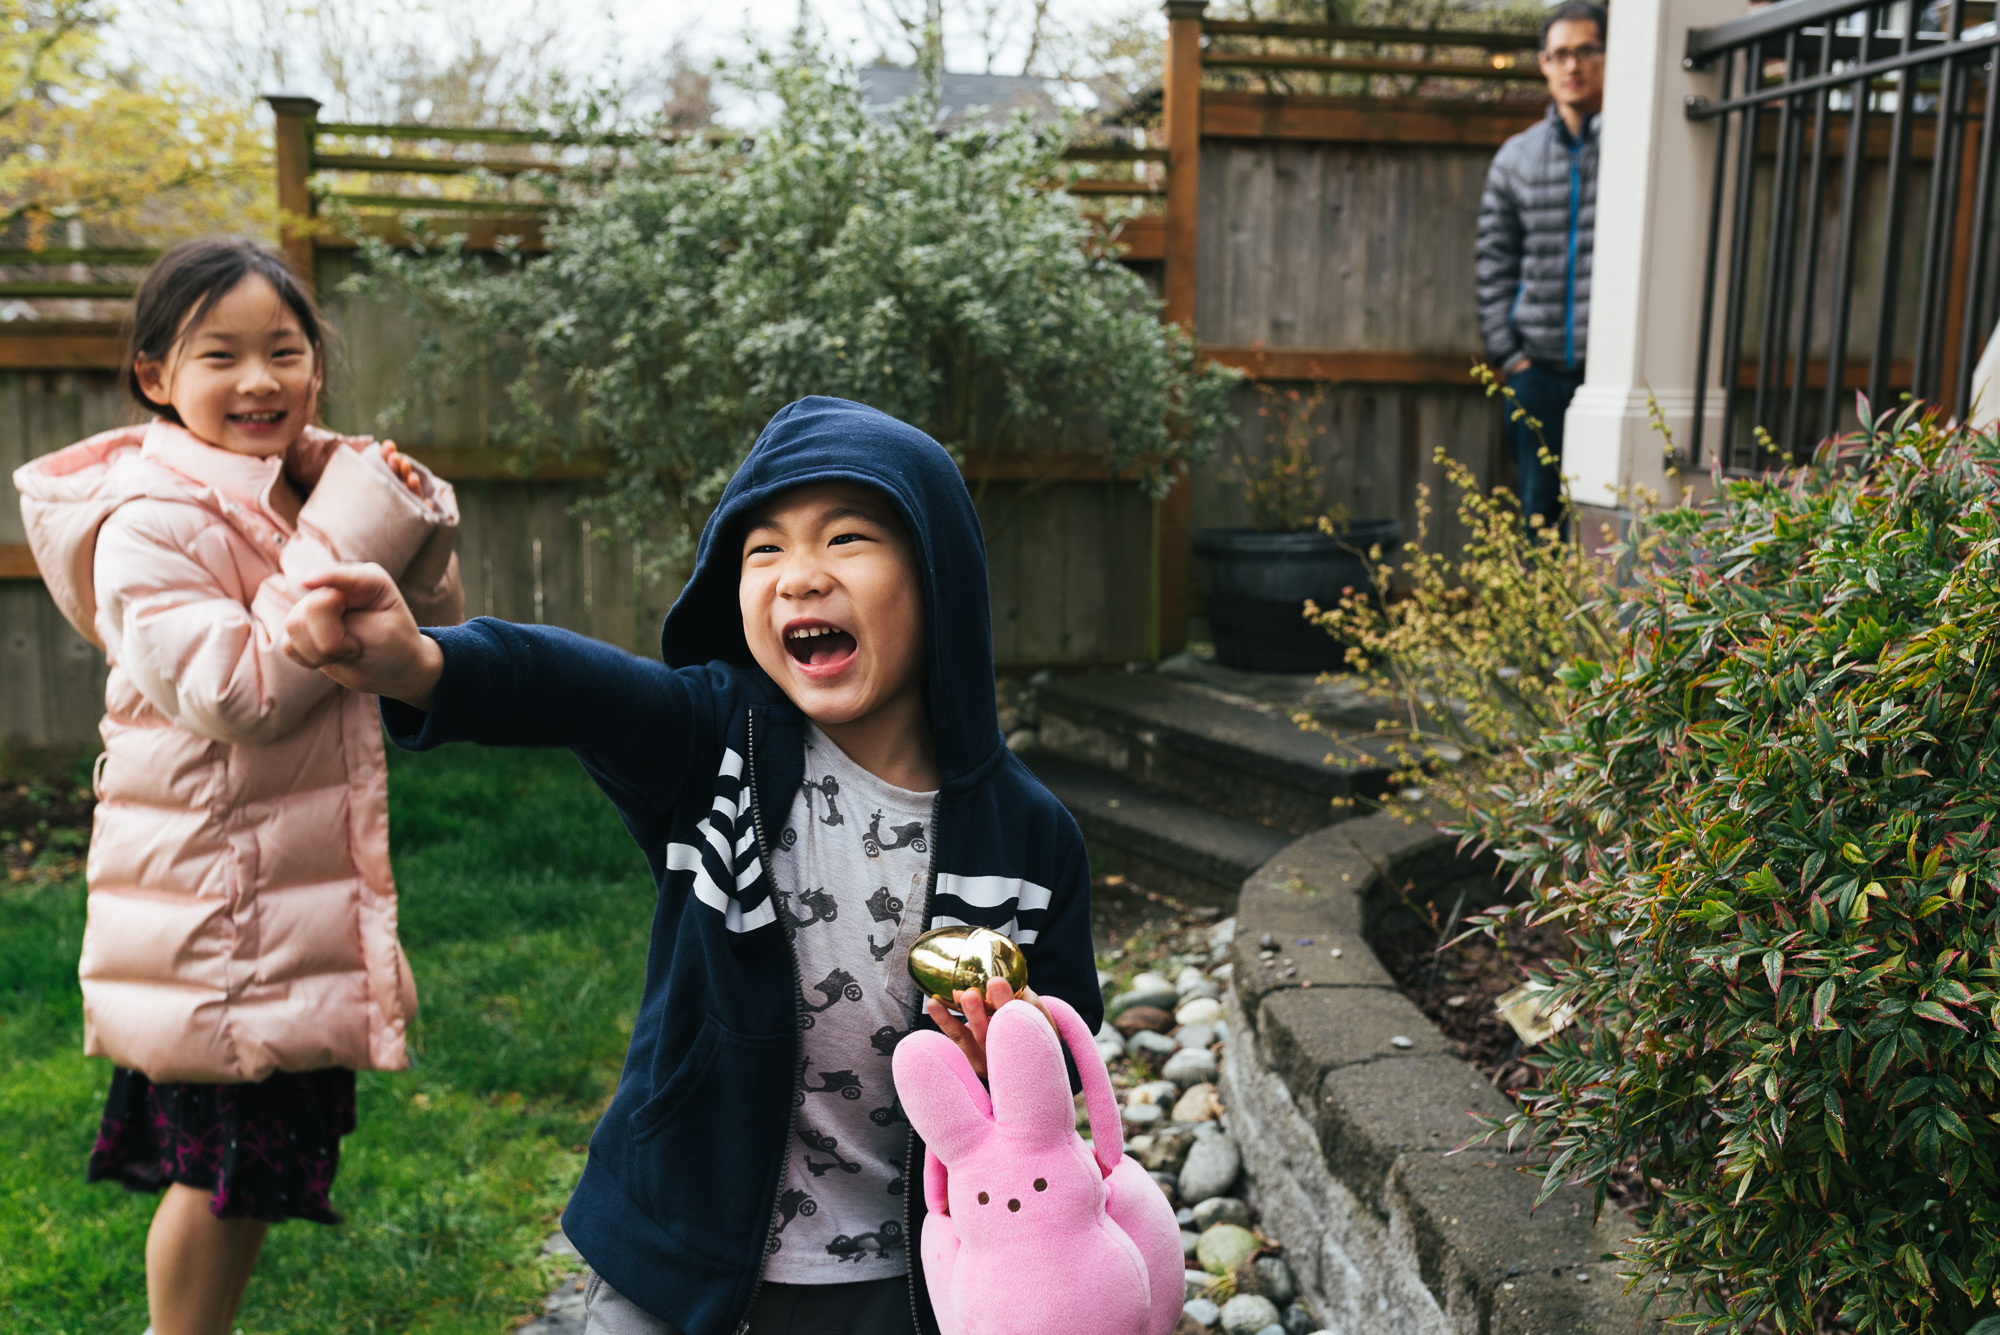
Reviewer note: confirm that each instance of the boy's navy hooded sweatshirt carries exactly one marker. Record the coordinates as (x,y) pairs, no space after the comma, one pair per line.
(702,754)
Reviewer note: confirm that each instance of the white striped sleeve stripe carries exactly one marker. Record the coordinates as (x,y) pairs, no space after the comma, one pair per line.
(1011,929)
(992,892)
(688,858)
(736,920)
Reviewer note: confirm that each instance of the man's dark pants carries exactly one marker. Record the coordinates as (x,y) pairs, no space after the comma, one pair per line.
(1545,393)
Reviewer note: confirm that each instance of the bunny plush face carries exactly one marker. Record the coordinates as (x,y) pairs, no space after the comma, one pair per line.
(1034,1173)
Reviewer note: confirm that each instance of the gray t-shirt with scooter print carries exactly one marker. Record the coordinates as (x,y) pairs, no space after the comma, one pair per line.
(850,867)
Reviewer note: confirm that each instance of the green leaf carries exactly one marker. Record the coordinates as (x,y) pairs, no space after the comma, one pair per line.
(1879,1059)
(1823,997)
(1774,966)
(1930,1010)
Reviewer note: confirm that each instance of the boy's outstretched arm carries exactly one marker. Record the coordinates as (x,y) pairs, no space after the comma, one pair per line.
(354,626)
(494,683)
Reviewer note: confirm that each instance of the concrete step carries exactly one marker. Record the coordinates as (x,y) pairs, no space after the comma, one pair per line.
(1164,843)
(1223,749)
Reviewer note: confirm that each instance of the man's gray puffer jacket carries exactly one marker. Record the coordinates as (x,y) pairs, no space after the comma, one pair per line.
(1533,260)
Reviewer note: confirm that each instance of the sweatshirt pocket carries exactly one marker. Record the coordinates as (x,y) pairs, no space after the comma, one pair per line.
(705,1134)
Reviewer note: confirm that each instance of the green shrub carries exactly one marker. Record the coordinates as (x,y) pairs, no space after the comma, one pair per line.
(1768,822)
(704,282)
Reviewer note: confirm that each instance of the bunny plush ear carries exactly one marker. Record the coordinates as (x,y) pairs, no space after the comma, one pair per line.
(1024,1062)
(941,1096)
(1107,1135)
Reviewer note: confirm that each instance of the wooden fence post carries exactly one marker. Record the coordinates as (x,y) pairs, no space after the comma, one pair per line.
(295,115)
(1181,119)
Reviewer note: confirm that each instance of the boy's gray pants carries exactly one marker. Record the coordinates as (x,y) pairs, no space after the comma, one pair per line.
(870,1307)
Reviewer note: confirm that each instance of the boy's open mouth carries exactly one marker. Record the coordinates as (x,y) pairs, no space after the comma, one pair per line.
(817,644)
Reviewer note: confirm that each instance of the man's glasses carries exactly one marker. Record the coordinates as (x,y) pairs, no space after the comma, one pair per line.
(1574,55)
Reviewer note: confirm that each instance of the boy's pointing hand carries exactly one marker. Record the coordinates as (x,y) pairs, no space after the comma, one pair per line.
(354,626)
(970,1034)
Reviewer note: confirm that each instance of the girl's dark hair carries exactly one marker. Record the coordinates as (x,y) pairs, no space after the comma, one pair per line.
(183,287)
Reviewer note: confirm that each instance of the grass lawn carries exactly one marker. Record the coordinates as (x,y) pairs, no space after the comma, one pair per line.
(525,911)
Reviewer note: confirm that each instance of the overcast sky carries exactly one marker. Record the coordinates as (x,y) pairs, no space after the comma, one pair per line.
(206,39)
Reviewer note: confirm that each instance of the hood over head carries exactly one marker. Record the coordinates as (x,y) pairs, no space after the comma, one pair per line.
(833,440)
(65,499)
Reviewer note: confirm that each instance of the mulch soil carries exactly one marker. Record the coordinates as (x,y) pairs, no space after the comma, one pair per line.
(1456,988)
(44,830)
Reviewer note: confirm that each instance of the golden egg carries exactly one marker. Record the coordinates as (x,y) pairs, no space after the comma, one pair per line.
(951,959)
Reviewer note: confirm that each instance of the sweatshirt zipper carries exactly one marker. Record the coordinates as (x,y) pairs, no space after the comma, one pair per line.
(798,996)
(913,1171)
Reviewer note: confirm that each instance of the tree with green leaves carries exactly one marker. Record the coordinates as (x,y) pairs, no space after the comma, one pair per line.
(699,283)
(125,153)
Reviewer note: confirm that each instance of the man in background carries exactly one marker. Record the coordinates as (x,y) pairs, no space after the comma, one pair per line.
(1533,258)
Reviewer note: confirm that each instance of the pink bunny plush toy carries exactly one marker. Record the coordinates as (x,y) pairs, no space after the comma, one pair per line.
(1030,1232)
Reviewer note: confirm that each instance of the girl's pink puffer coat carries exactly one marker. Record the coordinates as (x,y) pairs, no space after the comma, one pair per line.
(242,918)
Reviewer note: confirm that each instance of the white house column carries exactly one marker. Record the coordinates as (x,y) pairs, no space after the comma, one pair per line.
(1655,175)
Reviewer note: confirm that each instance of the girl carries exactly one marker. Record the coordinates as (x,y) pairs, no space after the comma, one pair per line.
(240,959)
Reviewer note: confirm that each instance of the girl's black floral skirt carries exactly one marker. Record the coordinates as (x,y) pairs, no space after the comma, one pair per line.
(263,1151)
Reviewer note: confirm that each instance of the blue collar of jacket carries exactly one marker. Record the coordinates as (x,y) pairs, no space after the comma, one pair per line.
(1591,125)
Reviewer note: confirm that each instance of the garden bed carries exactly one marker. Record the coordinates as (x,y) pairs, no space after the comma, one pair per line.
(1352,1106)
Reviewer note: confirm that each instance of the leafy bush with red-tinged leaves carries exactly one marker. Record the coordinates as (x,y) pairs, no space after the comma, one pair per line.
(1769,822)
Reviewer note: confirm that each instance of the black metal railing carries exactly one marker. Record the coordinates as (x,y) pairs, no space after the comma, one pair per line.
(1835,116)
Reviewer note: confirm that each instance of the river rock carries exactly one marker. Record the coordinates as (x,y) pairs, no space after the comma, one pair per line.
(1298,1321)
(1274,1280)
(1148,989)
(1138,1115)
(1110,1049)
(1162,1092)
(1199,1104)
(1223,1247)
(1132,1020)
(1165,1148)
(1211,1168)
(1197,1282)
(1204,1311)
(1188,977)
(1248,1314)
(1202,989)
(1147,1043)
(1221,937)
(1202,1010)
(1221,1210)
(1163,997)
(1195,1035)
(1189,1241)
(1190,1066)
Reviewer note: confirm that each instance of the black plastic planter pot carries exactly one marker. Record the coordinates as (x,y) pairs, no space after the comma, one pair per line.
(1258,584)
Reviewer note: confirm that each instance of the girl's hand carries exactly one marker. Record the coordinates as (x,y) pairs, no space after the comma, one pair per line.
(354,626)
(403,466)
(970,1034)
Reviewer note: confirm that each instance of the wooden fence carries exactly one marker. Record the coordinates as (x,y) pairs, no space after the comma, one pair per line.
(1320,243)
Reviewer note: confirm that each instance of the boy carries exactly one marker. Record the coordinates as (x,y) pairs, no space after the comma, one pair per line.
(816,776)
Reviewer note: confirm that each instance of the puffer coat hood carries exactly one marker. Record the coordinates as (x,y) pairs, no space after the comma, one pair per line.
(242,919)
